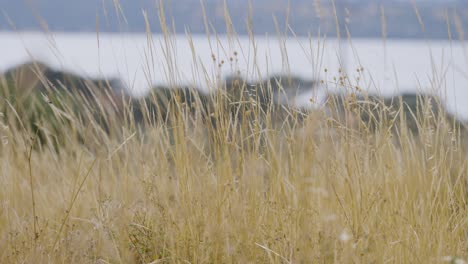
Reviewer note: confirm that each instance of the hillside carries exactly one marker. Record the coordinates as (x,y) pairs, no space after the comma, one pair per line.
(363,18)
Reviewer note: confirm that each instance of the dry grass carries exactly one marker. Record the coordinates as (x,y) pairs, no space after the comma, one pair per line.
(244,190)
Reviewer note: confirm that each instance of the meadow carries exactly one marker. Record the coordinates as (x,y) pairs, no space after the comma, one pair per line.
(231,176)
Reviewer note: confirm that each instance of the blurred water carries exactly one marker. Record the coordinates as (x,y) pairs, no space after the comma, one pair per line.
(140,61)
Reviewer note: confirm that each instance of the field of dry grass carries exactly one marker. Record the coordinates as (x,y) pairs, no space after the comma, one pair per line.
(230,184)
(185,191)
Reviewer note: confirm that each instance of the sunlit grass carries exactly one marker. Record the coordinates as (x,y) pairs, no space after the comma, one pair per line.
(228,179)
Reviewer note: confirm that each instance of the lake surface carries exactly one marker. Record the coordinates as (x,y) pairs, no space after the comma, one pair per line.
(141,61)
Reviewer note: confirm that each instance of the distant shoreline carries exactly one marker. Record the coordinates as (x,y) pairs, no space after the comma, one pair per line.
(223,35)
(406,67)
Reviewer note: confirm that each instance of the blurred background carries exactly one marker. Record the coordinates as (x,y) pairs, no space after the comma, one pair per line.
(363,18)
(403,45)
